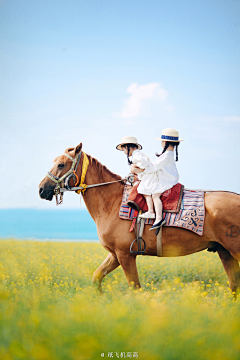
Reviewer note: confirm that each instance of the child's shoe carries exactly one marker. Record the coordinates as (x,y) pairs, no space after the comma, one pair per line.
(158,225)
(147,215)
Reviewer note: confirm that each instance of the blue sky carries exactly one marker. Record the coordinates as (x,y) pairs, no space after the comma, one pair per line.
(95,71)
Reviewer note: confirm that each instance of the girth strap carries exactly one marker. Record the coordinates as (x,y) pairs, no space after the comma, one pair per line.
(159,243)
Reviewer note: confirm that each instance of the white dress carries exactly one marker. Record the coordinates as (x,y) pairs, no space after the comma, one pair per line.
(158,176)
(148,180)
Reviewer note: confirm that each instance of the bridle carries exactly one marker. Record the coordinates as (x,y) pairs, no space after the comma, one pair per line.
(64,180)
(62,183)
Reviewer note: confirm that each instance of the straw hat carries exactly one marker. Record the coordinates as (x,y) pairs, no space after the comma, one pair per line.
(128,140)
(170,135)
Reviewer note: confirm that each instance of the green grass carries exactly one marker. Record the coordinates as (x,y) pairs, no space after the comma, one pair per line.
(49,309)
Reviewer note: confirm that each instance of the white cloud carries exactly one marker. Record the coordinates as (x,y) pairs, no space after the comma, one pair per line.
(139,94)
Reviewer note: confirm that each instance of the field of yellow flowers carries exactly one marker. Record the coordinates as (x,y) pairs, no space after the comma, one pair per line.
(50,311)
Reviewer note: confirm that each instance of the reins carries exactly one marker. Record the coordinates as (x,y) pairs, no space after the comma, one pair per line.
(91,186)
(62,183)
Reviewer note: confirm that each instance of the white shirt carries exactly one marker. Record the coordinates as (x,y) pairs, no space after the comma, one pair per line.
(148,180)
(158,176)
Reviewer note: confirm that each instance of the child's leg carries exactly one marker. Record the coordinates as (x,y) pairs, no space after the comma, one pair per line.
(149,202)
(158,207)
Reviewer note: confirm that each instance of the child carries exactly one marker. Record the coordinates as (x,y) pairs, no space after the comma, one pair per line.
(148,175)
(164,176)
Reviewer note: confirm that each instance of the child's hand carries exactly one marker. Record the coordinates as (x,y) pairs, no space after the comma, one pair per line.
(135,169)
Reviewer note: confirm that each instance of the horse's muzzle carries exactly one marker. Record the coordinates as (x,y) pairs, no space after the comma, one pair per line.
(46,191)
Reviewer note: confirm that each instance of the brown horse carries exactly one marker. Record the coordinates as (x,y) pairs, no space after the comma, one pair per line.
(221,229)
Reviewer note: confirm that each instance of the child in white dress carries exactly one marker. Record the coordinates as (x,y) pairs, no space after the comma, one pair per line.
(158,176)
(148,175)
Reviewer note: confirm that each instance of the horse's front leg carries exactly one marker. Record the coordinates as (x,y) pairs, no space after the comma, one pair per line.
(129,266)
(108,265)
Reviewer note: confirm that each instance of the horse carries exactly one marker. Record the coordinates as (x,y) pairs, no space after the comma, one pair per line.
(221,229)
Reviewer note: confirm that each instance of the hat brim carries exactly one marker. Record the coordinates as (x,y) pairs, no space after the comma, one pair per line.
(169,140)
(119,147)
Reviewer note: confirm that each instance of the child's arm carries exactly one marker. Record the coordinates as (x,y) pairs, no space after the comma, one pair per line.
(142,163)
(141,160)
(135,169)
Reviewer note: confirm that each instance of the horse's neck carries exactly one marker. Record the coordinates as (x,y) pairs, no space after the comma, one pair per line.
(101,200)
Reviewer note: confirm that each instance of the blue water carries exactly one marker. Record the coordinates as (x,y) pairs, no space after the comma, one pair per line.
(47,224)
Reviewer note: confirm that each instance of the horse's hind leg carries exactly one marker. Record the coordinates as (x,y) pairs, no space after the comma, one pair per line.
(108,265)
(231,267)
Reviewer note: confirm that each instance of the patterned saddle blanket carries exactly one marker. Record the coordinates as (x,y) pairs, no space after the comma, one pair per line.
(190,216)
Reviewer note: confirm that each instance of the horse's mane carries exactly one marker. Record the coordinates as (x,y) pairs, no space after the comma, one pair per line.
(101,169)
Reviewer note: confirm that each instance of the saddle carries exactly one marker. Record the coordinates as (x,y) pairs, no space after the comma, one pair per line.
(171,199)
(181,208)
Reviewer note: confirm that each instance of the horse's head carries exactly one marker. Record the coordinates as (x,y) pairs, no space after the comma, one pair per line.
(63,167)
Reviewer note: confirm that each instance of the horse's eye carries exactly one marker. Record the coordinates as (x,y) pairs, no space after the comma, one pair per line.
(60,166)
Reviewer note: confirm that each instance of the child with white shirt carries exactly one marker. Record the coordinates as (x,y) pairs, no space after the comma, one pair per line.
(131,148)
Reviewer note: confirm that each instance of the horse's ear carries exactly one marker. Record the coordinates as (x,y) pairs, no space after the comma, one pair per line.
(78,148)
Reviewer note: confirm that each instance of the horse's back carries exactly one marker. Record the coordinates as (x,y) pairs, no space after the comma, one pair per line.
(223,204)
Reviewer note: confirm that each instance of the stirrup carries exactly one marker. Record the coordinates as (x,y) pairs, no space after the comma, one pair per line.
(139,251)
(139,239)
